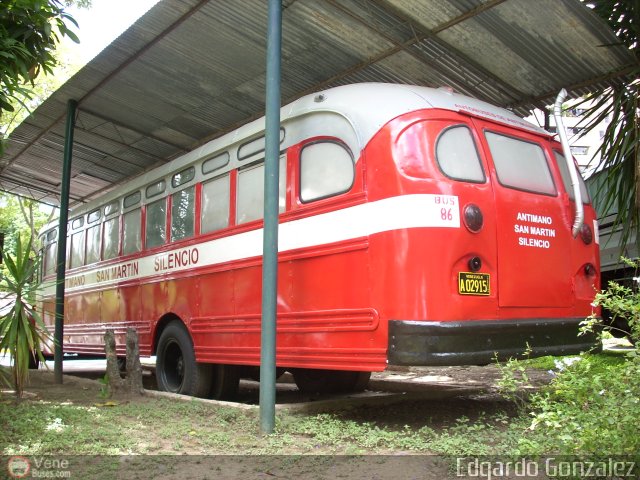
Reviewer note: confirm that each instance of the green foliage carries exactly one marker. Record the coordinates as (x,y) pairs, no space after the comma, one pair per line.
(618,105)
(622,302)
(592,405)
(591,408)
(21,329)
(29,33)
(513,381)
(23,218)
(39,90)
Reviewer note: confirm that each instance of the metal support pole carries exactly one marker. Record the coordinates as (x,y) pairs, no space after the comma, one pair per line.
(270,241)
(62,238)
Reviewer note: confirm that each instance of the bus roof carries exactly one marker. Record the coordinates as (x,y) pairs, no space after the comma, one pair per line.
(365,106)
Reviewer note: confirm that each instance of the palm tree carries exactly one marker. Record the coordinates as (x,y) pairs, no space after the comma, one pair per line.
(22,331)
(619,166)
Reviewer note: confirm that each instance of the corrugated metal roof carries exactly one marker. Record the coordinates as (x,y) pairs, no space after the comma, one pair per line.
(190,70)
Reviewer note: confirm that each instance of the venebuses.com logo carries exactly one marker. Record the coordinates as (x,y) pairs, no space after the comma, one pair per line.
(18,467)
(37,467)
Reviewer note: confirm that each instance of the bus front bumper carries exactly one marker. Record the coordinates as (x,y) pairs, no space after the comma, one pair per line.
(480,342)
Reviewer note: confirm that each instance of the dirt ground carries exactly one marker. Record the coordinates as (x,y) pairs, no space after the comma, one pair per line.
(436,382)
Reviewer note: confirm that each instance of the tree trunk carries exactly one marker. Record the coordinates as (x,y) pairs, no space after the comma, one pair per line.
(116,383)
(134,369)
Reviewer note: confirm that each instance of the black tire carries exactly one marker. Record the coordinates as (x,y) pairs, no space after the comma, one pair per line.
(330,381)
(176,367)
(225,382)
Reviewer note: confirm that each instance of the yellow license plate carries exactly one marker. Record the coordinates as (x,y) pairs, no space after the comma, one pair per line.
(474,283)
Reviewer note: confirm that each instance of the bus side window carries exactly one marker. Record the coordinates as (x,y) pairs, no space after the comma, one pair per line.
(50,254)
(93,244)
(250,196)
(110,236)
(156,224)
(77,250)
(457,155)
(215,204)
(182,213)
(131,238)
(92,254)
(326,169)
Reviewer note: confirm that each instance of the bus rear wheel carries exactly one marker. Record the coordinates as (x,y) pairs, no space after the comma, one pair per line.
(176,368)
(225,382)
(310,380)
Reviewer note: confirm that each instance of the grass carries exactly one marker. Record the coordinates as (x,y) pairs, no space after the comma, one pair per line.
(160,426)
(552,422)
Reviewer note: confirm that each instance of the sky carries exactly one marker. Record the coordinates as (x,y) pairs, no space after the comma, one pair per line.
(101,24)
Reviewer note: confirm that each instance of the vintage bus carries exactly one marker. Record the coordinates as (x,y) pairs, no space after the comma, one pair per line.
(417,227)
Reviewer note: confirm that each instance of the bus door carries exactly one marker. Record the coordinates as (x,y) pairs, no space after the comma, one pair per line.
(533,226)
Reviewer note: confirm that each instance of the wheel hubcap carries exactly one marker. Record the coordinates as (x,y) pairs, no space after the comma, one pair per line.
(173,367)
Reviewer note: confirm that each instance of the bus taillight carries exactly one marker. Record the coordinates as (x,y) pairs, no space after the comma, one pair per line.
(473,219)
(586,234)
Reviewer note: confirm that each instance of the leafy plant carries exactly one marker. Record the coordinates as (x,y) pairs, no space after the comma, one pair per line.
(29,32)
(22,331)
(618,105)
(591,408)
(514,379)
(622,303)
(104,386)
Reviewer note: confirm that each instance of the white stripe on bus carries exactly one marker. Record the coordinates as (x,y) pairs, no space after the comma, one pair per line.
(395,213)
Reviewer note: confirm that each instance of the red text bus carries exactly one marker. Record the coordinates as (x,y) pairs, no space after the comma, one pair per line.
(417,227)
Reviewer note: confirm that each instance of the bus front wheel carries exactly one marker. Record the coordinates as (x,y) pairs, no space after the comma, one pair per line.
(176,368)
(225,382)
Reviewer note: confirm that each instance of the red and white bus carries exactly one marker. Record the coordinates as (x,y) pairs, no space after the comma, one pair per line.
(417,227)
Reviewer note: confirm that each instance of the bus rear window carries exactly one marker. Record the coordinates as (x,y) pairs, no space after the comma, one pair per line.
(520,164)
(457,155)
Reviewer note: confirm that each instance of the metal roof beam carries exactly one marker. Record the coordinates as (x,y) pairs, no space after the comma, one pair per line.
(499,83)
(180,148)
(616,74)
(40,188)
(112,74)
(360,66)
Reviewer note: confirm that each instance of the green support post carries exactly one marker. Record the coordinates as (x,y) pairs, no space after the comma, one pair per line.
(270,240)
(72,105)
